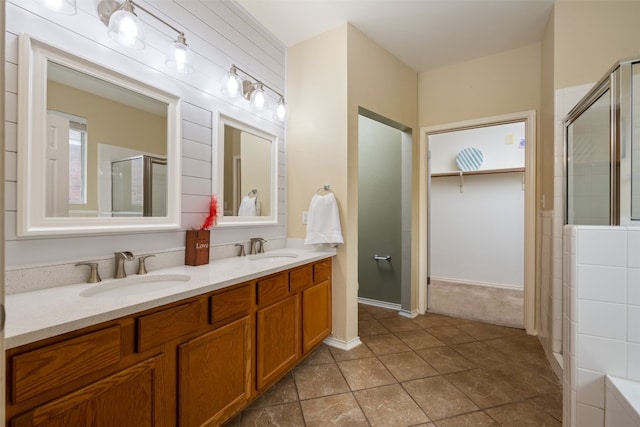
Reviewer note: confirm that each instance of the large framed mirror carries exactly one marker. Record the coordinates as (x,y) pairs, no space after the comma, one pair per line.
(98,151)
(247,174)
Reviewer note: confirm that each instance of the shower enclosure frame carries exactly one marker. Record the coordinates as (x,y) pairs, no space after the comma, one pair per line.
(619,82)
(147,180)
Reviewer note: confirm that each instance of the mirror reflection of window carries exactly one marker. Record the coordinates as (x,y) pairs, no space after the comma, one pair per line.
(77,164)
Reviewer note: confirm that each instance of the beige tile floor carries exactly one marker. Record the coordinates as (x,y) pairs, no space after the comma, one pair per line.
(431,371)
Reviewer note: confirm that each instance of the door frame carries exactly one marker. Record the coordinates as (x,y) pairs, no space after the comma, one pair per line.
(529,119)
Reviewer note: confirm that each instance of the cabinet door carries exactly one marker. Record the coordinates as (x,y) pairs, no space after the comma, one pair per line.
(278,339)
(316,315)
(132,397)
(215,374)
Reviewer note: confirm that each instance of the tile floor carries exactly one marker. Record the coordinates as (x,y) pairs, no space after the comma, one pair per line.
(431,371)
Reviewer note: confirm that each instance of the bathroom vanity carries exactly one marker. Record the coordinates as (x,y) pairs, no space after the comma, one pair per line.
(197,360)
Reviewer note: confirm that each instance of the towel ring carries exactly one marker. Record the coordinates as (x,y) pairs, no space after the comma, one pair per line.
(324,188)
(252,192)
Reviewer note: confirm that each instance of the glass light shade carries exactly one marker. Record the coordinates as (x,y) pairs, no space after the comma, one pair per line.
(281,110)
(66,7)
(232,85)
(126,29)
(258,98)
(179,57)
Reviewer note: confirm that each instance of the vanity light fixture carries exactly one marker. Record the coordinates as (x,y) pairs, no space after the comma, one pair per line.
(66,7)
(253,90)
(127,29)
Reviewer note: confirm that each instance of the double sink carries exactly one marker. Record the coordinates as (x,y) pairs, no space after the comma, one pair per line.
(136,285)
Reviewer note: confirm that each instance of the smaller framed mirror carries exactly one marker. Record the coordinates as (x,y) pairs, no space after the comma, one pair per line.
(247,174)
(98,152)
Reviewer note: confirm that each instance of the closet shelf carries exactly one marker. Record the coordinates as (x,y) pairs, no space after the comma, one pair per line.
(477,172)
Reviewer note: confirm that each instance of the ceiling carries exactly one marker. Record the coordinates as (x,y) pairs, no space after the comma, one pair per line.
(424,34)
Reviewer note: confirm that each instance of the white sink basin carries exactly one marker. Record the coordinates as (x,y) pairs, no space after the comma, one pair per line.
(272,257)
(134,285)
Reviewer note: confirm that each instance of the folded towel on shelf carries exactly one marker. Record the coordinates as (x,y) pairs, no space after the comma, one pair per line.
(323,221)
(249,206)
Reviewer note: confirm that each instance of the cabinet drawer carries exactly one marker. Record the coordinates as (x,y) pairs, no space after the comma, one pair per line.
(230,305)
(157,328)
(272,289)
(300,278)
(322,270)
(49,367)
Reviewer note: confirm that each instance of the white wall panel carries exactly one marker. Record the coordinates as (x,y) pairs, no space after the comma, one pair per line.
(10,136)
(219,34)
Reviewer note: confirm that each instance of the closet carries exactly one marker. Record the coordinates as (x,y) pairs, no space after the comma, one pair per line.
(477,222)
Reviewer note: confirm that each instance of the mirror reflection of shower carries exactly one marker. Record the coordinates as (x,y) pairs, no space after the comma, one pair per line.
(139,187)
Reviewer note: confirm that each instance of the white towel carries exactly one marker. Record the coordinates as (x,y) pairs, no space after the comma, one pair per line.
(248,207)
(323,221)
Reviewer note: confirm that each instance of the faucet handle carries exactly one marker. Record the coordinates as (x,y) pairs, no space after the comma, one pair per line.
(142,269)
(241,251)
(261,243)
(94,275)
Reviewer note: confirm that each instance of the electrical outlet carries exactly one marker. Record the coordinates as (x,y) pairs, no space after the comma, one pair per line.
(305,215)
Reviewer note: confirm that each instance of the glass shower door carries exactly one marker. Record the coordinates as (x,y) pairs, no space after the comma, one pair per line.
(588,165)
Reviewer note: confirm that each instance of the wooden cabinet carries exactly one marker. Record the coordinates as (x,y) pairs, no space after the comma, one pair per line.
(316,315)
(129,398)
(277,339)
(194,362)
(215,374)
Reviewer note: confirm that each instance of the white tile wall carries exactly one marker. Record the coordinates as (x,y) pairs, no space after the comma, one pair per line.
(633,361)
(633,320)
(591,315)
(603,246)
(589,416)
(605,311)
(601,283)
(633,295)
(590,385)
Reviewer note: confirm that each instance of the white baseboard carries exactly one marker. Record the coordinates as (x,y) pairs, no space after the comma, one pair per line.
(376,303)
(341,344)
(470,282)
(409,314)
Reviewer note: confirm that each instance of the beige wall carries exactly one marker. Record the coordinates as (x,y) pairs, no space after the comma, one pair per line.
(545,154)
(317,147)
(329,77)
(380,83)
(504,83)
(590,36)
(544,178)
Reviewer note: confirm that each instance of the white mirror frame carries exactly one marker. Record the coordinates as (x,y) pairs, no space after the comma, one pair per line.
(226,221)
(32,109)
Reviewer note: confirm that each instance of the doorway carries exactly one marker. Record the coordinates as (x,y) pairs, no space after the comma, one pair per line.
(384,213)
(463,173)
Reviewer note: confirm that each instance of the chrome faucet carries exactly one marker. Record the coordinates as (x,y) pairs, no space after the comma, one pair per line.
(94,275)
(257,245)
(121,257)
(142,268)
(241,249)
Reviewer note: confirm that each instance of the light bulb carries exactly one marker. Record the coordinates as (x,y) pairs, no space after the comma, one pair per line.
(281,110)
(179,56)
(232,85)
(258,98)
(126,28)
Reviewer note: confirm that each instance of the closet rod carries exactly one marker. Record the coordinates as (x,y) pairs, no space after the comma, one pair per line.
(478,172)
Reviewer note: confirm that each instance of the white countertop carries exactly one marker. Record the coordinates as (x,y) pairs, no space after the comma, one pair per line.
(32,316)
